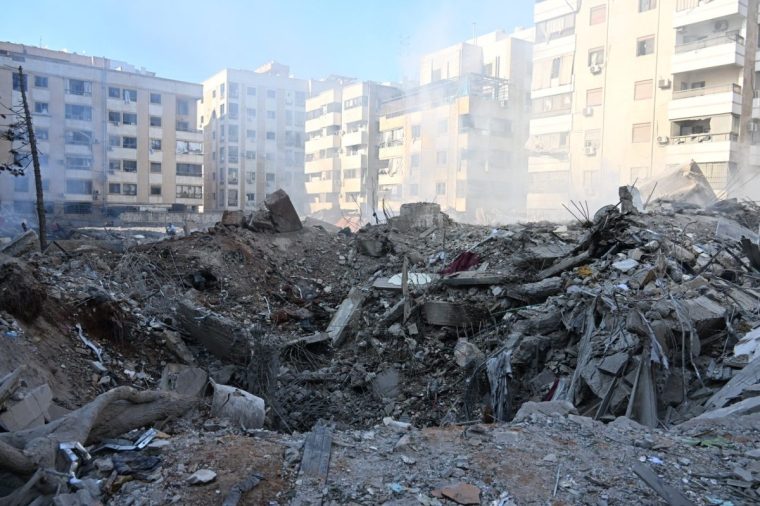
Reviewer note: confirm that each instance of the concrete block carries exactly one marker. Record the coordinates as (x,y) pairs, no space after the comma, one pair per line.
(284,215)
(240,407)
(184,380)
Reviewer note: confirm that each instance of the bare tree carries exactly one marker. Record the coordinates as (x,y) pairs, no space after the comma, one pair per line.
(23,151)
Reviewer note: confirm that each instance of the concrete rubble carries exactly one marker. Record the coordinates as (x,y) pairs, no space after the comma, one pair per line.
(418,360)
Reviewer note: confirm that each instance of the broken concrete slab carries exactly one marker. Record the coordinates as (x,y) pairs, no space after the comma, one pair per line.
(748,347)
(386,384)
(283,214)
(415,279)
(184,380)
(531,293)
(375,247)
(626,265)
(467,354)
(461,493)
(31,411)
(563,265)
(748,376)
(240,407)
(22,244)
(748,406)
(201,477)
(474,278)
(232,218)
(176,345)
(445,313)
(706,314)
(82,245)
(343,318)
(630,200)
(218,334)
(548,408)
(419,216)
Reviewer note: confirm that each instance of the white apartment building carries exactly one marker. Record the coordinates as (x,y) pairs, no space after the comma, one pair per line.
(111,137)
(253,124)
(623,91)
(341,153)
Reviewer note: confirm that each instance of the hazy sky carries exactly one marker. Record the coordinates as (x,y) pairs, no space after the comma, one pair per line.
(192,39)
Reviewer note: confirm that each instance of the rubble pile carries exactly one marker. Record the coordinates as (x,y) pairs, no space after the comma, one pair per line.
(645,310)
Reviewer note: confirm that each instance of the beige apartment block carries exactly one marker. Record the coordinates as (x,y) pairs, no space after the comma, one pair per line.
(111,136)
(623,91)
(342,162)
(253,124)
(458,139)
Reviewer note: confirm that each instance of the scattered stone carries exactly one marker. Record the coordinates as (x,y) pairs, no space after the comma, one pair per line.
(201,477)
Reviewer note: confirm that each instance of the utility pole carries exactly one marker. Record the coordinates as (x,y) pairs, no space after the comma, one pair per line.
(35,162)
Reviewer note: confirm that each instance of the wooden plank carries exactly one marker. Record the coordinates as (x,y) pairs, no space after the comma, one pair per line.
(672,495)
(563,265)
(734,388)
(316,454)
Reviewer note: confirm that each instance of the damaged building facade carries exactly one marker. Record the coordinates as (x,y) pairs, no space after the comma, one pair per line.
(342,163)
(111,136)
(253,124)
(623,91)
(458,139)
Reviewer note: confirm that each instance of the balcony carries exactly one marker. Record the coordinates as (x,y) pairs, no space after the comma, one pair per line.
(689,12)
(319,186)
(316,144)
(723,99)
(322,165)
(715,51)
(357,138)
(392,149)
(323,121)
(702,148)
(353,162)
(351,185)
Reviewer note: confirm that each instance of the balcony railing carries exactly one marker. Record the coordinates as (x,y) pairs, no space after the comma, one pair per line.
(561,111)
(698,92)
(704,137)
(716,40)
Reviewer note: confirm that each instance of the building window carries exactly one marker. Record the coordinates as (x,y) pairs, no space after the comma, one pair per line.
(155,144)
(78,137)
(440,158)
(41,108)
(642,90)
(645,45)
(114,165)
(78,162)
(21,184)
(155,167)
(300,98)
(596,56)
(114,141)
(114,117)
(251,113)
(183,107)
(270,115)
(232,176)
(114,188)
(251,91)
(270,136)
(17,81)
(129,142)
(129,118)
(189,169)
(416,131)
(271,94)
(155,189)
(233,110)
(250,177)
(232,197)
(598,14)
(641,132)
(129,189)
(155,121)
(129,165)
(40,82)
(41,133)
(250,134)
(79,112)
(185,191)
(440,188)
(79,87)
(250,155)
(129,95)
(646,5)
(221,110)
(183,126)
(114,92)
(250,197)
(594,97)
(79,186)
(556,66)
(355,102)
(155,98)
(234,90)
(415,160)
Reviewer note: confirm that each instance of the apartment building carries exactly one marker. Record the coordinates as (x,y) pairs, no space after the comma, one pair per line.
(342,162)
(111,136)
(253,124)
(623,91)
(458,139)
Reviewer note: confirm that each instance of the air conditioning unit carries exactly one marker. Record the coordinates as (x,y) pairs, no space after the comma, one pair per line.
(663,139)
(664,84)
(595,69)
(590,150)
(588,111)
(721,25)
